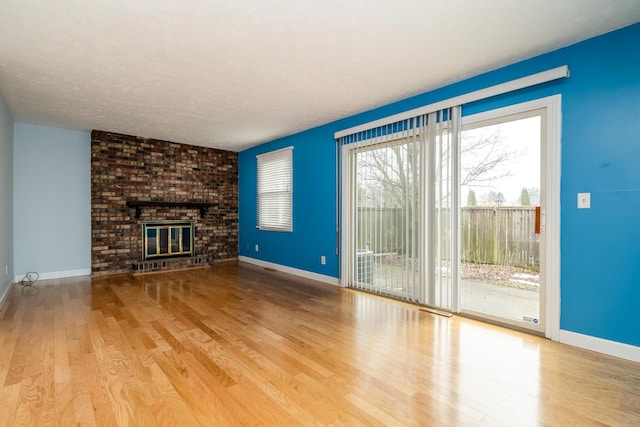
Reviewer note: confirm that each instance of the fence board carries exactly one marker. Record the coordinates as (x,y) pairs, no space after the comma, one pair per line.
(502,236)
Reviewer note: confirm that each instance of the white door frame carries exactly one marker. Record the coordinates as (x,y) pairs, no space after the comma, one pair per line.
(550,215)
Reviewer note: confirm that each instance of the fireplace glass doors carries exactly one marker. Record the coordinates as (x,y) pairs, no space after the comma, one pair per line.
(167,239)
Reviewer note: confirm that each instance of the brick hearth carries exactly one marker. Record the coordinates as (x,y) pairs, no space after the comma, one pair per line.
(127,167)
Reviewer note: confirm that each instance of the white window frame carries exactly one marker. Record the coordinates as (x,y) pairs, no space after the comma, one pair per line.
(274,190)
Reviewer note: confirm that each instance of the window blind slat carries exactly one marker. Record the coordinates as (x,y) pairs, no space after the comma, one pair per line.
(274,188)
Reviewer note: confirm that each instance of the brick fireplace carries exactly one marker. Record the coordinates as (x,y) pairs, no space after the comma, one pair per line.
(172,183)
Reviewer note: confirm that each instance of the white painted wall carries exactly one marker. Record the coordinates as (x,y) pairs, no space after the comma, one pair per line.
(52,201)
(6,199)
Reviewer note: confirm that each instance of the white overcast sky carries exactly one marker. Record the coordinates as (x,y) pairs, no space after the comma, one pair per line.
(522,136)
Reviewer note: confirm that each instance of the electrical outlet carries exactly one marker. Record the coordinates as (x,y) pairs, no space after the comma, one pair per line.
(256,248)
(323,260)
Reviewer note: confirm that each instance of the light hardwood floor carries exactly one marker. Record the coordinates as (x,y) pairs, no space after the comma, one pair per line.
(238,345)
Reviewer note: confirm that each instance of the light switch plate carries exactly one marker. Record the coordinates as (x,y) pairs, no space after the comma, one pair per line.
(584,200)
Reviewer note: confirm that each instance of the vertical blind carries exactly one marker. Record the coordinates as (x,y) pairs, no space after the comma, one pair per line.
(444,204)
(274,188)
(399,214)
(386,176)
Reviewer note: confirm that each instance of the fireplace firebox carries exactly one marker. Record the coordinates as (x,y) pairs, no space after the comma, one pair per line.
(167,239)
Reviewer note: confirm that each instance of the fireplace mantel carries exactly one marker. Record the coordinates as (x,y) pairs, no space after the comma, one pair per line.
(139,204)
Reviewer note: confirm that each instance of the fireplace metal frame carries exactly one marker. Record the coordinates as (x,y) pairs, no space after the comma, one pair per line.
(168,225)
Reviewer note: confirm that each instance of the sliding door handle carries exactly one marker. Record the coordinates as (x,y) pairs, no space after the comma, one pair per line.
(541,220)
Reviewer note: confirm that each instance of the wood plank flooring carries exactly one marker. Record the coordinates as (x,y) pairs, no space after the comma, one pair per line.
(238,345)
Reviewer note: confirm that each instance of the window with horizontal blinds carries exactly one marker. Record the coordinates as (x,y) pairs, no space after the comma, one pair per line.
(274,187)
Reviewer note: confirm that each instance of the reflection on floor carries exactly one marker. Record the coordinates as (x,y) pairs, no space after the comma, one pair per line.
(238,345)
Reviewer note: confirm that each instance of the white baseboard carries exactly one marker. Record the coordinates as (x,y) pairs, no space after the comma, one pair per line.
(295,271)
(5,295)
(611,348)
(56,274)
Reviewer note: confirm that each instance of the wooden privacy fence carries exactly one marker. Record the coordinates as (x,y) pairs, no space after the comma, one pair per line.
(488,235)
(502,236)
(383,230)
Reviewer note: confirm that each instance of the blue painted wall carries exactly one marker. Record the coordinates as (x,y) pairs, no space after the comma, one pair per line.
(600,247)
(314,201)
(52,201)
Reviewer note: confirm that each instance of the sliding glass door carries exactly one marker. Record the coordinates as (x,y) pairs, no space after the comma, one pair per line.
(399,206)
(454,213)
(503,197)
(386,215)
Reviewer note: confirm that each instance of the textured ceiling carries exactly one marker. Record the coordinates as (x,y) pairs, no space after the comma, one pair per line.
(233,74)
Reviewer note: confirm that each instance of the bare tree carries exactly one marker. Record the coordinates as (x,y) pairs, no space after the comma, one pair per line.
(484,158)
(392,171)
(389,176)
(489,198)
